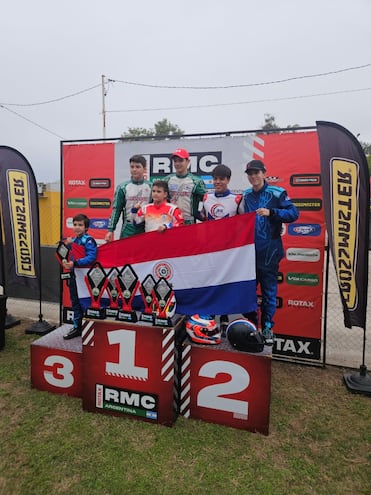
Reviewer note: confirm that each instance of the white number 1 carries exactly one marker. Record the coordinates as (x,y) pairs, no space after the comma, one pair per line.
(126,365)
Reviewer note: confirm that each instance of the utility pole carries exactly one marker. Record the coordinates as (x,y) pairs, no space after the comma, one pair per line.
(104,106)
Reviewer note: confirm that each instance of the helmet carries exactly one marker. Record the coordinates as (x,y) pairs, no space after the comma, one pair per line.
(243,336)
(203,330)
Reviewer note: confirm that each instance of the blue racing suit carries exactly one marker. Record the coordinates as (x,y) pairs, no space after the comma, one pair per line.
(90,247)
(268,242)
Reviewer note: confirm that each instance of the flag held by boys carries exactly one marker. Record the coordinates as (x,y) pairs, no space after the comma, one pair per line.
(210,265)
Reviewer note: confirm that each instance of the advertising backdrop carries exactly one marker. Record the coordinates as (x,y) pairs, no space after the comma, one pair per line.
(91,172)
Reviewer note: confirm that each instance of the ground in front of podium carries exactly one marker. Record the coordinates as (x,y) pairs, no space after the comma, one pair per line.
(318,441)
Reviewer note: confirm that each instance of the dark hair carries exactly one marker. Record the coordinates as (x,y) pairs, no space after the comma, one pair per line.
(161,184)
(221,171)
(80,217)
(138,159)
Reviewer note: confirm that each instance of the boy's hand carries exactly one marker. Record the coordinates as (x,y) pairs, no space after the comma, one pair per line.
(108,237)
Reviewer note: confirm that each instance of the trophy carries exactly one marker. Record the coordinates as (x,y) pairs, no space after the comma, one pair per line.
(146,289)
(127,284)
(164,303)
(113,293)
(95,281)
(62,253)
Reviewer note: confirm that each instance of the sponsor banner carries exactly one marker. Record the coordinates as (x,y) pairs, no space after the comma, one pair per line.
(20,240)
(299,347)
(346,186)
(292,160)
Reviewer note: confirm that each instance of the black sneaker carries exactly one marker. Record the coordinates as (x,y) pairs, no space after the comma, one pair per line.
(74,332)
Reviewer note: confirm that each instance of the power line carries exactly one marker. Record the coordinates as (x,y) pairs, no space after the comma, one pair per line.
(239,102)
(51,101)
(248,85)
(31,121)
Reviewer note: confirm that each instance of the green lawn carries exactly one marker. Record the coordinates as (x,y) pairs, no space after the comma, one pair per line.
(319,441)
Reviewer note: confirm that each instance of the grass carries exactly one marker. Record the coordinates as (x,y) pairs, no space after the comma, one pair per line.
(319,441)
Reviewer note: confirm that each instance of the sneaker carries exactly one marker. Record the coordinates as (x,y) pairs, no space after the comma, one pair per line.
(268,336)
(74,332)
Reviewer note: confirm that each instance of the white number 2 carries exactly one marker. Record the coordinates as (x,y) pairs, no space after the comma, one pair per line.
(210,396)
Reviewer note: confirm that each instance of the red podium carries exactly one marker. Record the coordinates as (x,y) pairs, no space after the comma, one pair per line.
(128,370)
(56,364)
(224,386)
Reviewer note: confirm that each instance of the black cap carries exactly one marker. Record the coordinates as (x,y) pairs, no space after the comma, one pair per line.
(255,165)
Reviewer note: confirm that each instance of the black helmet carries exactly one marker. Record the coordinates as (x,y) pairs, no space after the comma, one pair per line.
(243,336)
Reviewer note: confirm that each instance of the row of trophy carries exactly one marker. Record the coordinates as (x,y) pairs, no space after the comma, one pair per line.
(121,287)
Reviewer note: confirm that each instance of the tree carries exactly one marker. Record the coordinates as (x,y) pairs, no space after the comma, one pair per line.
(161,128)
(269,122)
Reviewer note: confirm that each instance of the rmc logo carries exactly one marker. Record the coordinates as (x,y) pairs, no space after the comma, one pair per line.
(201,163)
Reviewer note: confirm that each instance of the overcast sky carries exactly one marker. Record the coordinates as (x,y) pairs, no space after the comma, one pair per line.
(50,50)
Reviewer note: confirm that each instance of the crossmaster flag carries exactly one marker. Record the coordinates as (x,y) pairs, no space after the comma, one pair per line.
(210,265)
(20,246)
(346,195)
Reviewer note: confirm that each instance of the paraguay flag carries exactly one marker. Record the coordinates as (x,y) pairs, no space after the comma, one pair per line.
(210,265)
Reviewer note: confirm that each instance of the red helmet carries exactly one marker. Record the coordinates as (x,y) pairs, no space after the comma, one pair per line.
(203,330)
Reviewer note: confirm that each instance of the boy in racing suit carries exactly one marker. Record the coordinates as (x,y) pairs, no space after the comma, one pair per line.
(273,207)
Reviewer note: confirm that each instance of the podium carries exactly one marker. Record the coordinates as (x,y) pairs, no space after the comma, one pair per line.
(56,364)
(129,370)
(152,374)
(221,385)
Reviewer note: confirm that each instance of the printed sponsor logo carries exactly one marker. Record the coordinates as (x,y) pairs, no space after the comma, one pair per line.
(307,229)
(126,401)
(299,303)
(303,254)
(99,183)
(163,269)
(279,277)
(345,184)
(20,217)
(273,179)
(308,279)
(99,223)
(308,204)
(201,163)
(301,347)
(77,203)
(100,203)
(305,180)
(76,182)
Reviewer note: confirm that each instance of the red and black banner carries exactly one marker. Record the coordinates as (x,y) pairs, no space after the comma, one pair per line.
(20,246)
(346,195)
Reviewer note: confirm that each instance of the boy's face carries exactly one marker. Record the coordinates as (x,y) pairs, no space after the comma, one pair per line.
(158,194)
(79,227)
(256,178)
(220,184)
(136,171)
(180,165)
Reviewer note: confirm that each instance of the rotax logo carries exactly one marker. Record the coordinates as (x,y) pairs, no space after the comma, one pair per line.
(301,347)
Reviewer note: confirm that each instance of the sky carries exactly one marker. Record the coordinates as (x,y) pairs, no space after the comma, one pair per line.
(298,61)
